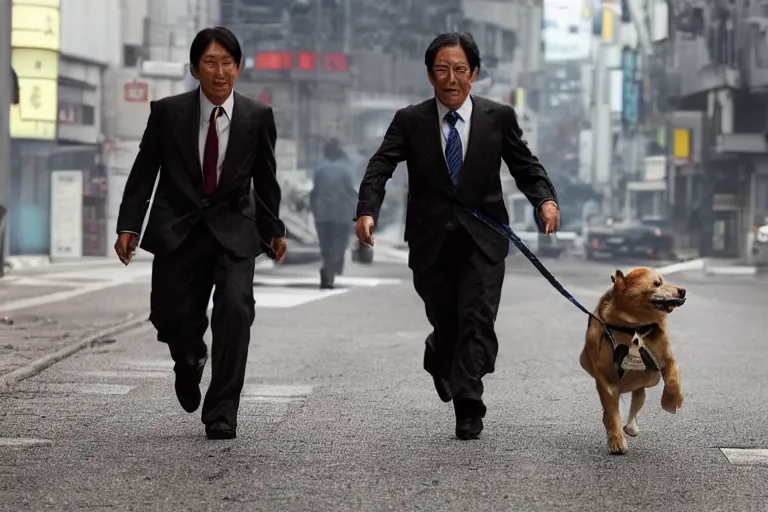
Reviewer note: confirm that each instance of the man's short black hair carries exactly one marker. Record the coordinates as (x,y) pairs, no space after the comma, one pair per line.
(463,39)
(221,35)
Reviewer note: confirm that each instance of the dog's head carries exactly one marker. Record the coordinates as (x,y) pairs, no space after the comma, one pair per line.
(644,290)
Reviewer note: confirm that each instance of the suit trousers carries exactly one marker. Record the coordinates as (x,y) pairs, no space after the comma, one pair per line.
(181,289)
(461,294)
(334,241)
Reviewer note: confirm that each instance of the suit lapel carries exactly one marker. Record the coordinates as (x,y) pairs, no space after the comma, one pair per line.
(187,132)
(239,145)
(479,126)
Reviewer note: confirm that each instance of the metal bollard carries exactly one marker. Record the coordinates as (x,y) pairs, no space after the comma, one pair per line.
(3,211)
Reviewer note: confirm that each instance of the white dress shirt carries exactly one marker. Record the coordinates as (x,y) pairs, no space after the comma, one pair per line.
(462,124)
(222,127)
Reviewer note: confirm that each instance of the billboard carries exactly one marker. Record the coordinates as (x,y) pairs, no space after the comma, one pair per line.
(566,30)
(35,40)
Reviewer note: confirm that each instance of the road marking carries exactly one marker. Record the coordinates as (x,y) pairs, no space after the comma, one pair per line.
(697,264)
(70,294)
(746,456)
(288,292)
(284,394)
(89,389)
(315,281)
(270,298)
(33,281)
(152,364)
(273,399)
(266,390)
(23,441)
(127,374)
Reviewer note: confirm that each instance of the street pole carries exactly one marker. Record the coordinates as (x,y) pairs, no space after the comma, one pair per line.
(5,128)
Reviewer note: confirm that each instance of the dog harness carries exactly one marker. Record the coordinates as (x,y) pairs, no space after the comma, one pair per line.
(633,356)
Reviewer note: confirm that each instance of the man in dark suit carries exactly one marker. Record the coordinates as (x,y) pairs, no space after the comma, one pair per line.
(215,210)
(454,144)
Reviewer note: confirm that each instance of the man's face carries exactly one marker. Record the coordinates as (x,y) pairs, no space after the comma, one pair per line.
(451,77)
(217,72)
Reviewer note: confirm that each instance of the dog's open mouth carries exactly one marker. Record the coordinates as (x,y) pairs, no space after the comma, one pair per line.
(666,303)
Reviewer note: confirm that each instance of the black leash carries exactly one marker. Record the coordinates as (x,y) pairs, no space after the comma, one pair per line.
(619,351)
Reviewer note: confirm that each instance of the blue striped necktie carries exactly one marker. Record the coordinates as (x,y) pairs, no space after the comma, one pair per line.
(453,150)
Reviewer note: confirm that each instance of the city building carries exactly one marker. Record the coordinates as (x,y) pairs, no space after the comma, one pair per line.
(716,76)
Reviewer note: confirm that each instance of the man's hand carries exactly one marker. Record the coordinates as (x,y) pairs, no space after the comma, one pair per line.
(125,246)
(550,214)
(364,230)
(278,246)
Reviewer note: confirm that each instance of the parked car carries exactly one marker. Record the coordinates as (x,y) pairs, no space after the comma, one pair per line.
(638,240)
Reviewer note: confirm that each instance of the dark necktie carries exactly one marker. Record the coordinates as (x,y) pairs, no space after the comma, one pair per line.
(453,150)
(211,154)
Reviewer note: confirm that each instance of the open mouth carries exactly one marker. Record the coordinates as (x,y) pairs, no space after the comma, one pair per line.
(667,304)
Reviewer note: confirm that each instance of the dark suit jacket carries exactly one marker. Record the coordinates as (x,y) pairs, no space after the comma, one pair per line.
(433,202)
(243,218)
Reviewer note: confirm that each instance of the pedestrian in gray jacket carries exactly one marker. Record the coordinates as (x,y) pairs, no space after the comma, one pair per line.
(333,201)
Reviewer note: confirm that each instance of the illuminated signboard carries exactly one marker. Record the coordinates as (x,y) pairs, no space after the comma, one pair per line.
(36,40)
(301,61)
(274,61)
(36,24)
(307,61)
(336,62)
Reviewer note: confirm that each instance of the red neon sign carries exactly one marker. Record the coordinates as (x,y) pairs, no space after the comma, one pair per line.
(274,60)
(307,61)
(336,62)
(303,61)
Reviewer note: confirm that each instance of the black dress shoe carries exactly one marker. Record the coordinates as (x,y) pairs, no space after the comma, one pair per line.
(326,280)
(469,427)
(220,430)
(442,386)
(187,383)
(469,418)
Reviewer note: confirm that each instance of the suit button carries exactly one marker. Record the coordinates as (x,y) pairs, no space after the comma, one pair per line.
(205,203)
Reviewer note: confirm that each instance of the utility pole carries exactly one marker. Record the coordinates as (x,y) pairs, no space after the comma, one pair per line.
(6,83)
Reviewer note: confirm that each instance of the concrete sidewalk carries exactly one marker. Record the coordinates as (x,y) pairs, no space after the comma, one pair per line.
(44,310)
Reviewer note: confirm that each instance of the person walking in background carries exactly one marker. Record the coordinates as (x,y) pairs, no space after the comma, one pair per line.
(215,210)
(453,144)
(332,202)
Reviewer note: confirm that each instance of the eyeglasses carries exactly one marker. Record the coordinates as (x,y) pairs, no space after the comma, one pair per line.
(443,71)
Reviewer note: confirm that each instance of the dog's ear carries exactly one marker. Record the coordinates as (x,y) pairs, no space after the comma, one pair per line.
(618,279)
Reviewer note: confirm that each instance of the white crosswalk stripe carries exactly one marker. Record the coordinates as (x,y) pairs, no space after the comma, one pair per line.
(273,291)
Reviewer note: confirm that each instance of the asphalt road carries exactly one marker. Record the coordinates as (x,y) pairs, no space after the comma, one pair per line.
(338,415)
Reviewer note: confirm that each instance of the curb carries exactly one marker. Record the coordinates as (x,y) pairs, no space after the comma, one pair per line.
(22,262)
(37,366)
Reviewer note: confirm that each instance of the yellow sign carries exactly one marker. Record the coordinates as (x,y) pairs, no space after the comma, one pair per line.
(35,116)
(608,18)
(681,143)
(36,24)
(520,100)
(36,42)
(43,3)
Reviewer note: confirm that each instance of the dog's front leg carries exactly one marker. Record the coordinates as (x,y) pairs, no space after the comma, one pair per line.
(617,443)
(672,396)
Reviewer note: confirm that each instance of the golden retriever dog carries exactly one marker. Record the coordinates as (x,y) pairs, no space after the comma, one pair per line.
(635,310)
